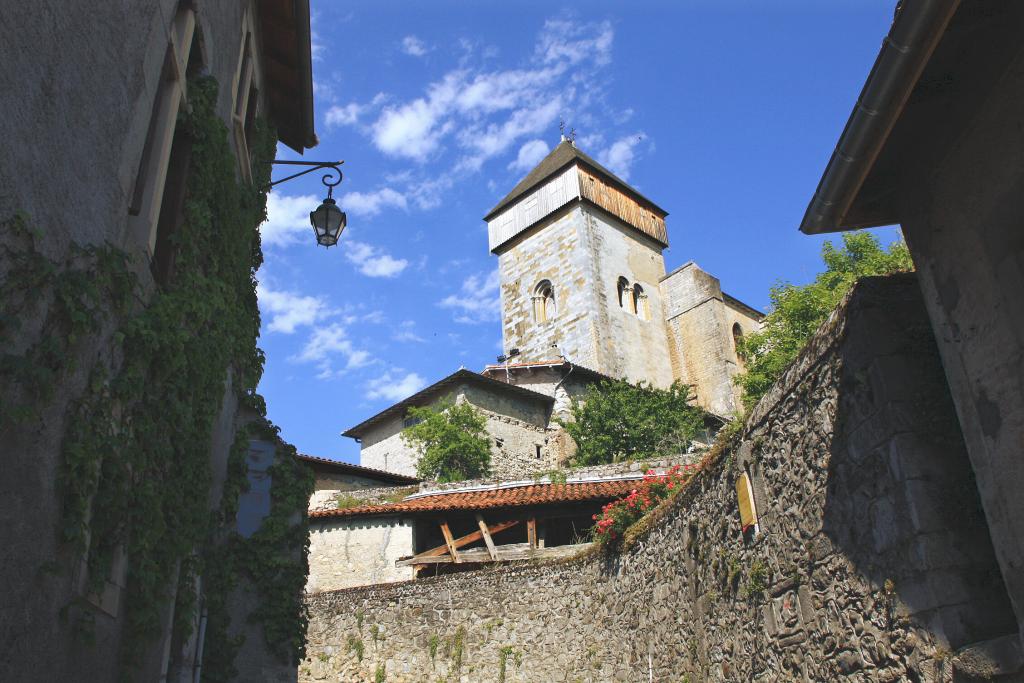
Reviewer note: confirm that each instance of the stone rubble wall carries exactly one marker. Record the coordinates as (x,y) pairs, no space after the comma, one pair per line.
(872,561)
(636,468)
(328,498)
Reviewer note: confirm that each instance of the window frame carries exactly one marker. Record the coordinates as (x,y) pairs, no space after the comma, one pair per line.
(545,306)
(170,97)
(245,91)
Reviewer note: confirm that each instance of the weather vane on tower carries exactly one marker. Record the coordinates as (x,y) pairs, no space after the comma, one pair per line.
(571,137)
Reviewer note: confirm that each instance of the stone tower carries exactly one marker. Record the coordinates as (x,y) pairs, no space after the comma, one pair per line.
(580,261)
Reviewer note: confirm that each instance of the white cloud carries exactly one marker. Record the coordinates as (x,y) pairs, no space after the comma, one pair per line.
(563,41)
(288,310)
(349,114)
(343,115)
(327,340)
(371,203)
(414,47)
(478,301)
(406,332)
(328,344)
(529,155)
(394,386)
(287,217)
(373,261)
(619,157)
(492,110)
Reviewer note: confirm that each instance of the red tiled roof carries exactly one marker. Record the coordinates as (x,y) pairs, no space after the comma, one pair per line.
(512,497)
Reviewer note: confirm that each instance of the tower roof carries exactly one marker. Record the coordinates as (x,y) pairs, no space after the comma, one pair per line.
(561,156)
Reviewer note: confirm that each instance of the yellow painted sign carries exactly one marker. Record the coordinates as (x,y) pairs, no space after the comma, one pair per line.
(745,494)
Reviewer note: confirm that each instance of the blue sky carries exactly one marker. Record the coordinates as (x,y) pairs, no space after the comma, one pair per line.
(724,112)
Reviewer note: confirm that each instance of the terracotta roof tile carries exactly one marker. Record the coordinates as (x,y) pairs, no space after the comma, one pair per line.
(511,497)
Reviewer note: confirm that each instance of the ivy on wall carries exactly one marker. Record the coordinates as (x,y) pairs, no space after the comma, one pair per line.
(135,472)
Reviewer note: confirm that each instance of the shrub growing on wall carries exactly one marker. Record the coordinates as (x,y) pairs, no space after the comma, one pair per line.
(452,442)
(617,421)
(797,312)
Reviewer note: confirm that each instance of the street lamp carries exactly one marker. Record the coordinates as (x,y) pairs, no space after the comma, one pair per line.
(328,220)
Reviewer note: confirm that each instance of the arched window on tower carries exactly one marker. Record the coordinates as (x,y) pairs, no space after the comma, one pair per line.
(640,302)
(737,341)
(543,301)
(625,295)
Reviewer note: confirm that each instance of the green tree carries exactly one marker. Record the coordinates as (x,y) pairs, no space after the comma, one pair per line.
(796,312)
(617,421)
(452,442)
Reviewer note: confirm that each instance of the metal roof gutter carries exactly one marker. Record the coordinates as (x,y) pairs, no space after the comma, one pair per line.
(916,29)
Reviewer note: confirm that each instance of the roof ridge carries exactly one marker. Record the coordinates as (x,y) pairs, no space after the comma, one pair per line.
(563,154)
(422,394)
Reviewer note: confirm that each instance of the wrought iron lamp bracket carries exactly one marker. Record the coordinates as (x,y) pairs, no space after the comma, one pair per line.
(328,179)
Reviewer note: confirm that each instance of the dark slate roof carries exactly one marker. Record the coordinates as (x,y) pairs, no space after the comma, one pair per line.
(423,397)
(326,465)
(560,157)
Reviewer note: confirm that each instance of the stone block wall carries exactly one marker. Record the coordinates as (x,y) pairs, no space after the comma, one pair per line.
(515,427)
(327,499)
(872,561)
(583,251)
(699,321)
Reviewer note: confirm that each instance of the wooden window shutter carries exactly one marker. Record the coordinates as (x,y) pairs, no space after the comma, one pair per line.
(745,494)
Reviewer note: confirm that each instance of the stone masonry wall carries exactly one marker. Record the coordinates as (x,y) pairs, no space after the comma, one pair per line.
(699,326)
(518,425)
(873,562)
(583,251)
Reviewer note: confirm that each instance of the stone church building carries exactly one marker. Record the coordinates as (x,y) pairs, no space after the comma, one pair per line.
(584,297)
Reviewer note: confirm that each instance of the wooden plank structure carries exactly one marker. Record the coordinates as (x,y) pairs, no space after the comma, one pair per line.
(505,553)
(450,553)
(618,203)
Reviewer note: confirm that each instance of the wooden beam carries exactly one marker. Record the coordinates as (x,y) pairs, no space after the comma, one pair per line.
(506,553)
(450,542)
(487,536)
(531,531)
(468,538)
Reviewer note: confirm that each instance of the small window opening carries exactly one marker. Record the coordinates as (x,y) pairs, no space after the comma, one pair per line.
(172,208)
(543,301)
(640,302)
(499,442)
(537,446)
(625,292)
(411,422)
(737,342)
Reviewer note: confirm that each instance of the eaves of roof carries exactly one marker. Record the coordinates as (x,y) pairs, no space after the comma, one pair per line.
(357,470)
(424,396)
(507,497)
(563,155)
(916,30)
(286,49)
(577,370)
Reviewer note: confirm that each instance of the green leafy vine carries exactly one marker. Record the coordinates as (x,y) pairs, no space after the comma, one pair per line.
(135,474)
